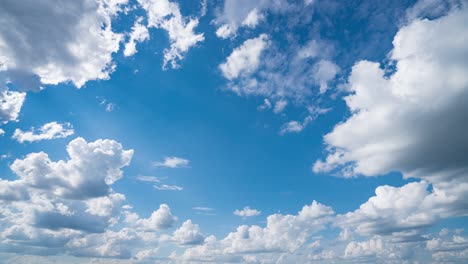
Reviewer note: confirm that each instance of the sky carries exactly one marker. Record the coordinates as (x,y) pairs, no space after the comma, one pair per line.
(233,131)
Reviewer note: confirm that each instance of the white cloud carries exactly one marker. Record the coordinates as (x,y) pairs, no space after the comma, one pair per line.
(324,72)
(166,15)
(238,13)
(370,247)
(188,234)
(450,247)
(10,105)
(412,120)
(151,179)
(159,219)
(2,132)
(252,19)
(139,34)
(78,47)
(280,106)
(266,105)
(172,162)
(201,208)
(48,131)
(283,233)
(166,187)
(53,203)
(247,212)
(244,59)
(291,72)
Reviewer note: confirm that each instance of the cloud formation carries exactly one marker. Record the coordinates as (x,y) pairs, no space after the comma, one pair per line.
(47,131)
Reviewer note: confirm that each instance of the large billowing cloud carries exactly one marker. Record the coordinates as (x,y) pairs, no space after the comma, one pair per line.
(57,41)
(70,206)
(410,119)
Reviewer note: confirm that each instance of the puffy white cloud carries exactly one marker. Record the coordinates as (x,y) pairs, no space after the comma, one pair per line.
(78,46)
(158,220)
(139,34)
(188,234)
(172,162)
(2,132)
(48,131)
(412,120)
(282,234)
(166,15)
(247,212)
(370,247)
(10,105)
(53,204)
(89,171)
(245,59)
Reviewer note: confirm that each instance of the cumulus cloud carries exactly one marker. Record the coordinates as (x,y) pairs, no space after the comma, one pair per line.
(247,212)
(166,15)
(412,120)
(53,203)
(188,234)
(244,59)
(172,162)
(10,105)
(282,233)
(78,47)
(158,220)
(408,120)
(48,131)
(89,171)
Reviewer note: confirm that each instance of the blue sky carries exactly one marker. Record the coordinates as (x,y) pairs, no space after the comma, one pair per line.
(163,131)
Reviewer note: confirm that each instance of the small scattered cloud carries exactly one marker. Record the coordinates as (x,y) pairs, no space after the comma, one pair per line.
(247,212)
(165,187)
(52,130)
(149,179)
(172,162)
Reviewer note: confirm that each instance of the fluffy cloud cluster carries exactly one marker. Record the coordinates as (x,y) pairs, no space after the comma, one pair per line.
(78,46)
(247,212)
(410,120)
(166,15)
(10,105)
(69,206)
(47,131)
(413,120)
(282,233)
